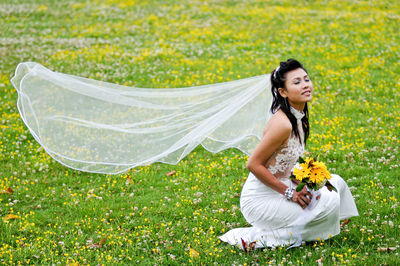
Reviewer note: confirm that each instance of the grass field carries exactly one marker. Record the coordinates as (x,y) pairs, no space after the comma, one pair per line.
(50,214)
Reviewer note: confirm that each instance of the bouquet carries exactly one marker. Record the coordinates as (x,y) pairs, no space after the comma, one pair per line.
(312,173)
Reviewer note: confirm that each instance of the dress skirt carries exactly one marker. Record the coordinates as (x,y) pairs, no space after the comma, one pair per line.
(278,222)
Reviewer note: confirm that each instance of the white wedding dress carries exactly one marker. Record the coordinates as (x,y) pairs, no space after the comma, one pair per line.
(275,220)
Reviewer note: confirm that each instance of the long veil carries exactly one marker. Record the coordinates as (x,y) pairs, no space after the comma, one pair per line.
(101,127)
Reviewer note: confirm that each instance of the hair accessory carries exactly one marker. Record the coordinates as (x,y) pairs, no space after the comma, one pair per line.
(276,70)
(289,193)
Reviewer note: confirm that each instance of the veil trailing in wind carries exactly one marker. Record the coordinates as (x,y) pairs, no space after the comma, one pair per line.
(101,127)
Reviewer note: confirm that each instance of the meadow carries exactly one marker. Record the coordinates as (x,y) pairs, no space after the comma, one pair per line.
(50,214)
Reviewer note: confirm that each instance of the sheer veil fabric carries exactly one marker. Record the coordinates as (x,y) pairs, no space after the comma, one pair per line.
(102,127)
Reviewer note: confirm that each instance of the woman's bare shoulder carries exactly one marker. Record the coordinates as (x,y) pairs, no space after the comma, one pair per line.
(276,132)
(279,123)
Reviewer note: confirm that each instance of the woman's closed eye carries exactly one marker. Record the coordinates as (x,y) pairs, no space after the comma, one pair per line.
(298,81)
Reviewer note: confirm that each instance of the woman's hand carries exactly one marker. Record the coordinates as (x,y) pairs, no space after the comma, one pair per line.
(303,197)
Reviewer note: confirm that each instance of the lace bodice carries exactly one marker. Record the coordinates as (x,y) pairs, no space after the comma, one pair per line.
(285,157)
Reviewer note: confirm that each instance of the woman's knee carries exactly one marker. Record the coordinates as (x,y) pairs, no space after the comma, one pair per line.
(336,177)
(337,181)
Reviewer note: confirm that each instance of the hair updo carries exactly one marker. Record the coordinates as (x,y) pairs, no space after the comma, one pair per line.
(278,78)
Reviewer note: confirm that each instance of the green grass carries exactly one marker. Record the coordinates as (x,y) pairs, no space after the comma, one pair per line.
(351,50)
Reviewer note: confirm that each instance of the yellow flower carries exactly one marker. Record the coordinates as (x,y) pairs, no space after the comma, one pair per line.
(11,217)
(308,161)
(319,165)
(193,253)
(324,170)
(317,176)
(301,172)
(319,173)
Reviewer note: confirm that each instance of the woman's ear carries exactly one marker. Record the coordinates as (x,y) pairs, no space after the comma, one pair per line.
(282,92)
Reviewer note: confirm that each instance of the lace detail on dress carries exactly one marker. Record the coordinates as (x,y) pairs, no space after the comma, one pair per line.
(284,159)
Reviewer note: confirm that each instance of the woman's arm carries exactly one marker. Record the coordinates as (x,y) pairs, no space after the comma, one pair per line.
(276,133)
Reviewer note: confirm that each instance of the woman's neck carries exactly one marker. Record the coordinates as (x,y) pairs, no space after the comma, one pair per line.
(298,106)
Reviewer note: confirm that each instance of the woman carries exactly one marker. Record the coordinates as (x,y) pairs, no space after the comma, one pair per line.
(268,201)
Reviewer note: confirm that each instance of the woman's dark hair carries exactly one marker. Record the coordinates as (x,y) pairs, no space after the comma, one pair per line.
(278,78)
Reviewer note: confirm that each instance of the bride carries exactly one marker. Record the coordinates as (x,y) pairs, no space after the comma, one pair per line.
(269,202)
(108,128)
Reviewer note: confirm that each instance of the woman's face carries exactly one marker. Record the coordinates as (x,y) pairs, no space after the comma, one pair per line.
(298,88)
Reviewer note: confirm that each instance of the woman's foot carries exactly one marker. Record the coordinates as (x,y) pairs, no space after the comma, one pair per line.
(248,247)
